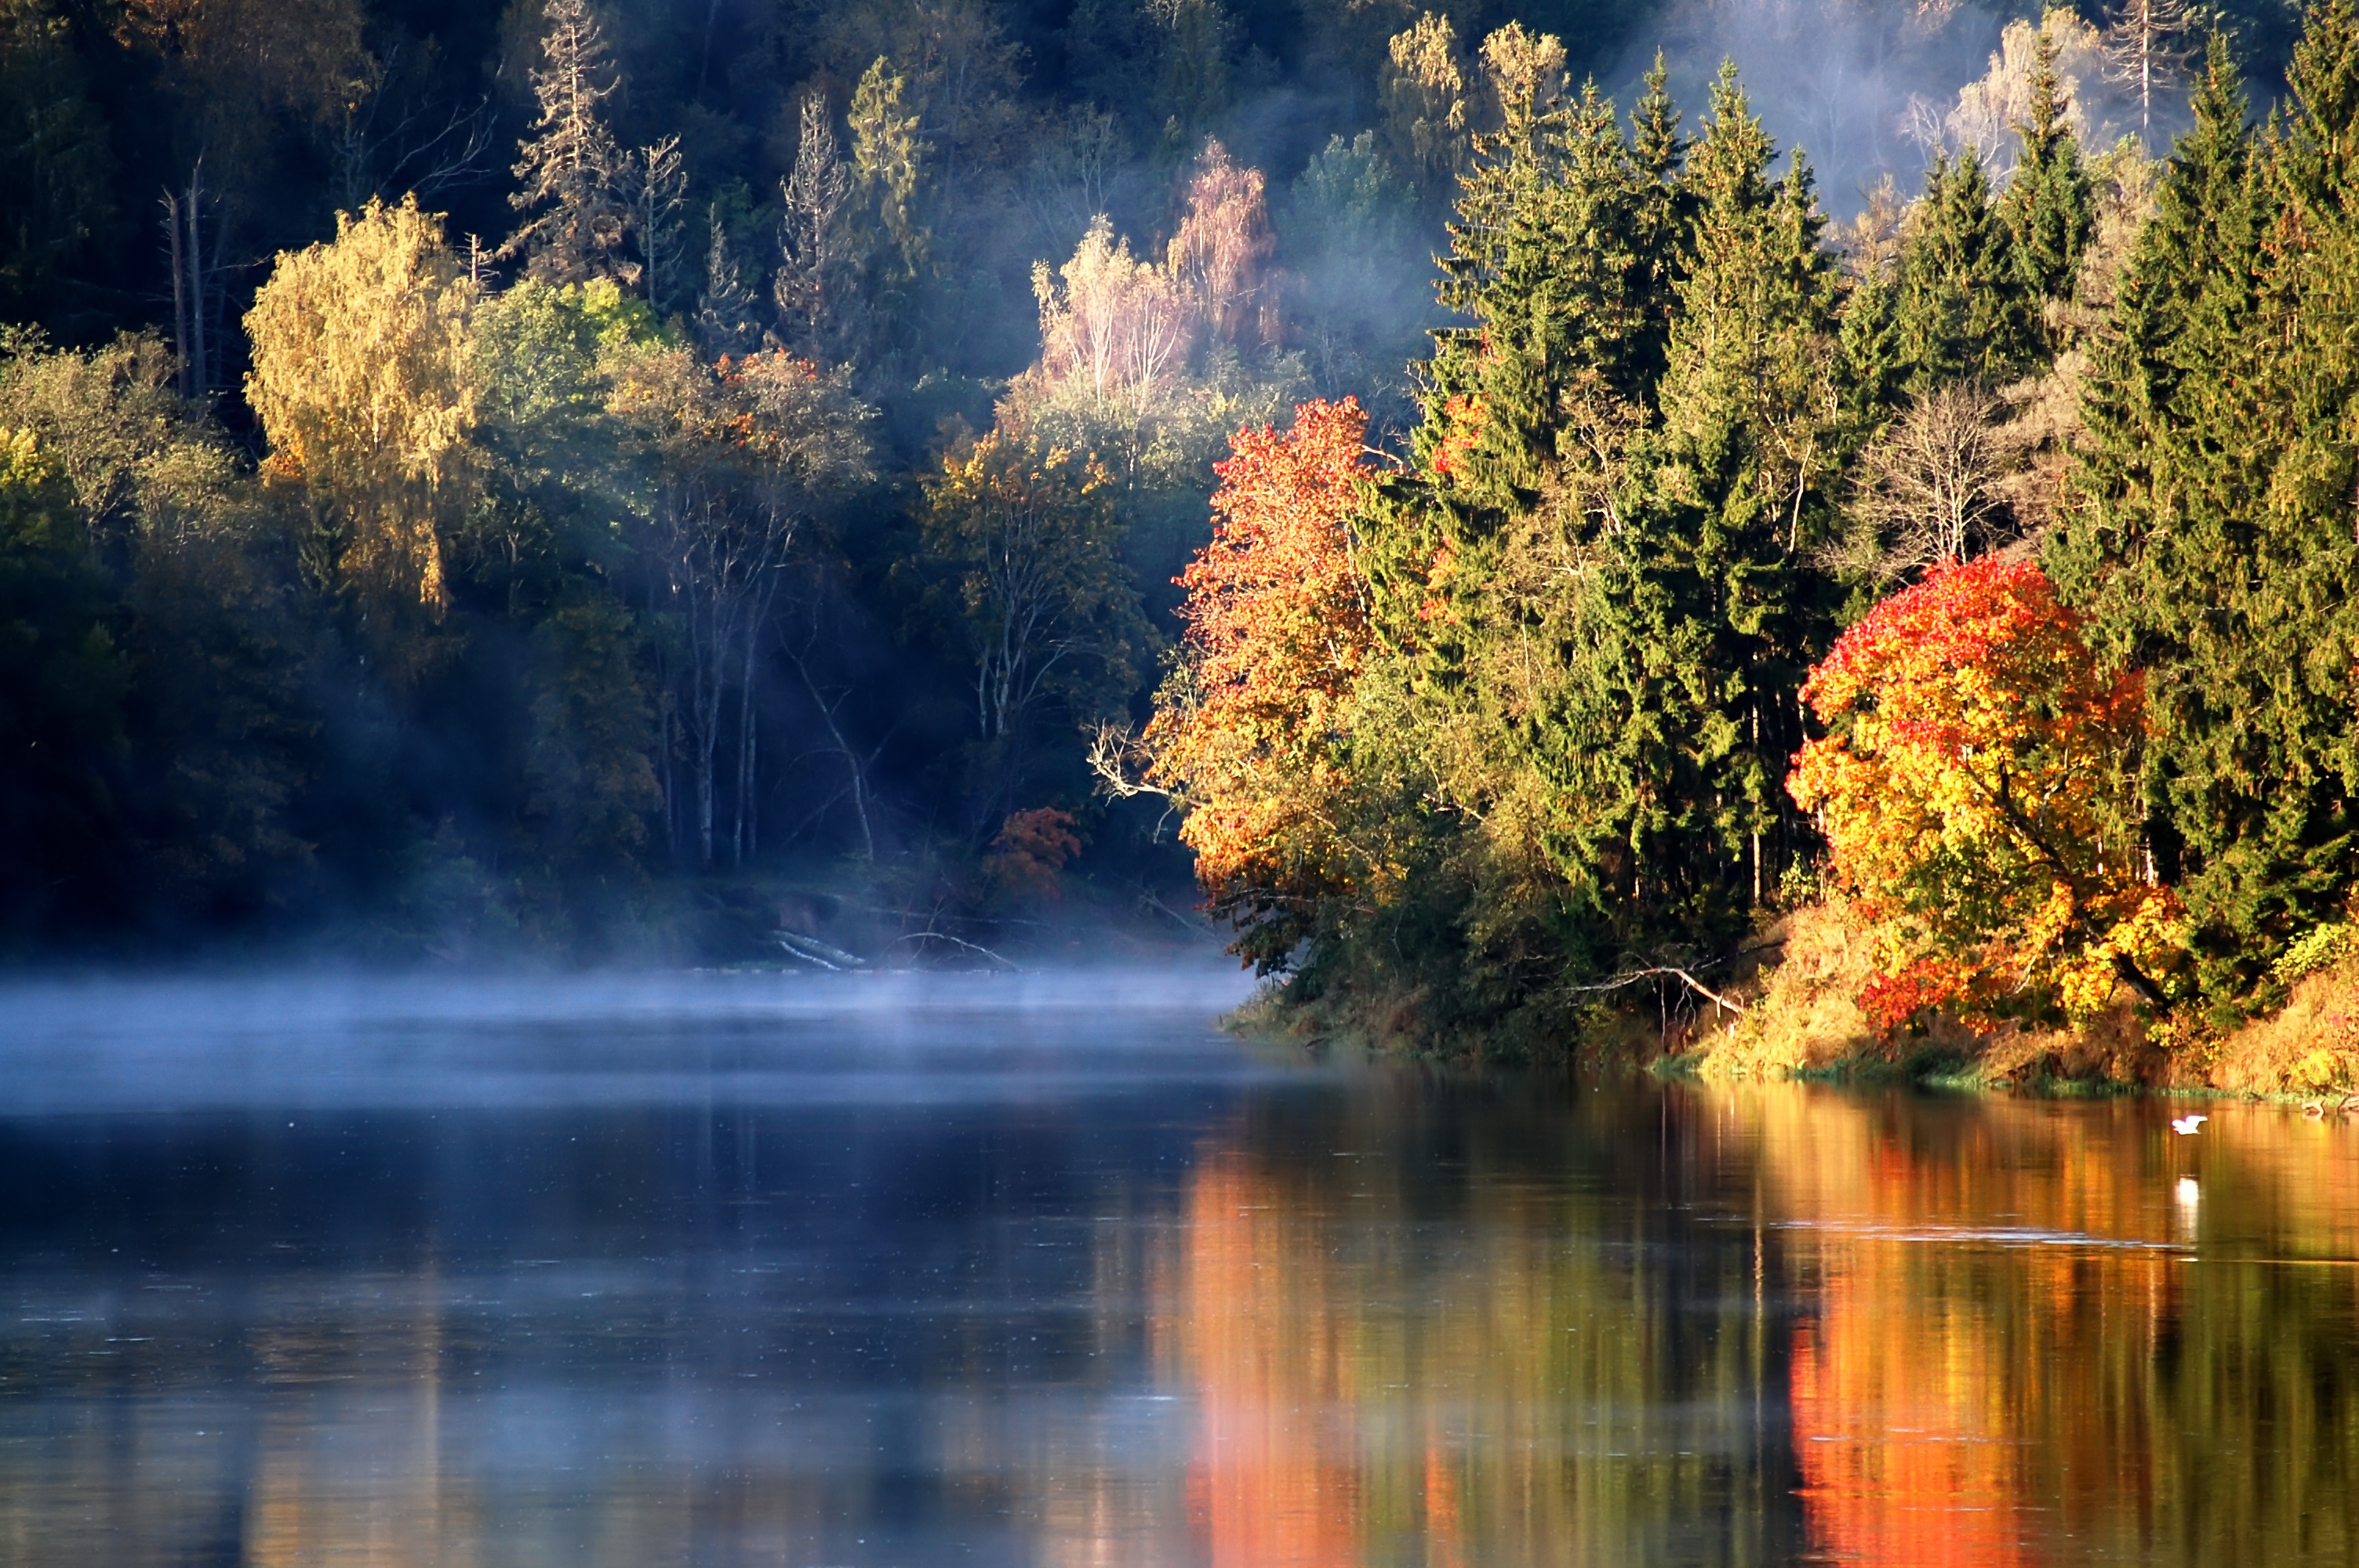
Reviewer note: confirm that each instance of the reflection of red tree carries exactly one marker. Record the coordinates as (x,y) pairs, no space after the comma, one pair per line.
(1952,1399)
(1898,1465)
(1272,1484)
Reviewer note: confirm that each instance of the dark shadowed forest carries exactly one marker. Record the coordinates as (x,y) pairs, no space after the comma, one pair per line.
(1799,526)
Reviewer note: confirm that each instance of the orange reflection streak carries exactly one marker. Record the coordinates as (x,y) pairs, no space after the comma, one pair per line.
(1979,1357)
(1900,1462)
(1270,1485)
(1441,1511)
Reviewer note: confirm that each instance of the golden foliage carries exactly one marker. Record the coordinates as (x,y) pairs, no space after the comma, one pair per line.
(1966,792)
(2308,1046)
(363,379)
(1425,102)
(1221,246)
(1809,1017)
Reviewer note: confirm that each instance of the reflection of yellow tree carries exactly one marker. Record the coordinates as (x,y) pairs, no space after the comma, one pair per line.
(2001,1351)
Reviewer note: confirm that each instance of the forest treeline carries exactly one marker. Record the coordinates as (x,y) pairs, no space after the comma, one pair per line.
(484,478)
(1974,579)
(479,481)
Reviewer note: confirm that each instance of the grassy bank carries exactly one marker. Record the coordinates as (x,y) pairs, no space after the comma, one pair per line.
(1801,1019)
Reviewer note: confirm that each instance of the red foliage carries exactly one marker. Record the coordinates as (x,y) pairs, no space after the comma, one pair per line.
(1923,985)
(1968,786)
(1463,417)
(1031,849)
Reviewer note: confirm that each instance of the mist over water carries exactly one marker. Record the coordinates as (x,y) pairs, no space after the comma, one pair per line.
(468,1041)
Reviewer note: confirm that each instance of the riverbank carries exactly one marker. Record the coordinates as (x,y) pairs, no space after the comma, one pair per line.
(1801,1018)
(1790,1009)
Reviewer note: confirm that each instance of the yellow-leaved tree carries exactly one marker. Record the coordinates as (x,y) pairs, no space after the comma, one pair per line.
(1972,789)
(365,381)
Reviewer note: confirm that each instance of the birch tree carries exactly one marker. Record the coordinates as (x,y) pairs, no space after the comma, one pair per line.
(740,458)
(365,381)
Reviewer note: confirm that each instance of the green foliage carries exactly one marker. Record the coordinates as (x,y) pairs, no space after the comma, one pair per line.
(1596,585)
(493,628)
(62,682)
(2321,948)
(1961,306)
(1744,472)
(1024,538)
(2047,206)
(590,765)
(56,168)
(2216,550)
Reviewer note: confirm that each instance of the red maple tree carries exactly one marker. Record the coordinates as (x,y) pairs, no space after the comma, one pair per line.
(1974,792)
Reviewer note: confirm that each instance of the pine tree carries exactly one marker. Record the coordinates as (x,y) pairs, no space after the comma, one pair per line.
(659,189)
(728,317)
(816,304)
(1961,308)
(572,168)
(2217,549)
(1599,563)
(1874,363)
(1481,554)
(1662,210)
(1726,613)
(2047,206)
(885,150)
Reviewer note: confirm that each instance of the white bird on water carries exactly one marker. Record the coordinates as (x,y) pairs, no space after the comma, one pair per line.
(2187,1124)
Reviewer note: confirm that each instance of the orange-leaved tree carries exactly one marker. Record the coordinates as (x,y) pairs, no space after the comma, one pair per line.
(1249,731)
(1974,787)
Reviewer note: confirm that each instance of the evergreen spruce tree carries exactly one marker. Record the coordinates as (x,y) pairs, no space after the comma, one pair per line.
(571,169)
(1960,306)
(1724,612)
(2217,549)
(1868,341)
(1662,210)
(1482,551)
(2047,207)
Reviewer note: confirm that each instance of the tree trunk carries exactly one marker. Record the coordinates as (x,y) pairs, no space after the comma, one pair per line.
(181,368)
(704,799)
(192,212)
(740,833)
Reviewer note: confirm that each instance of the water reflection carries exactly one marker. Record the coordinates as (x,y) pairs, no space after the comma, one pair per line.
(1167,1303)
(2038,1333)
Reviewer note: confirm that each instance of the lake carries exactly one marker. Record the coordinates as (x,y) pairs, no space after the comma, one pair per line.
(835,1270)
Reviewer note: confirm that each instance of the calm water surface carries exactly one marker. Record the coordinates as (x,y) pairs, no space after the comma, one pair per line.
(736,1270)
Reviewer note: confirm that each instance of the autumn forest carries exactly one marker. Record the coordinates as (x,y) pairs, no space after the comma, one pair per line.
(1451,499)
